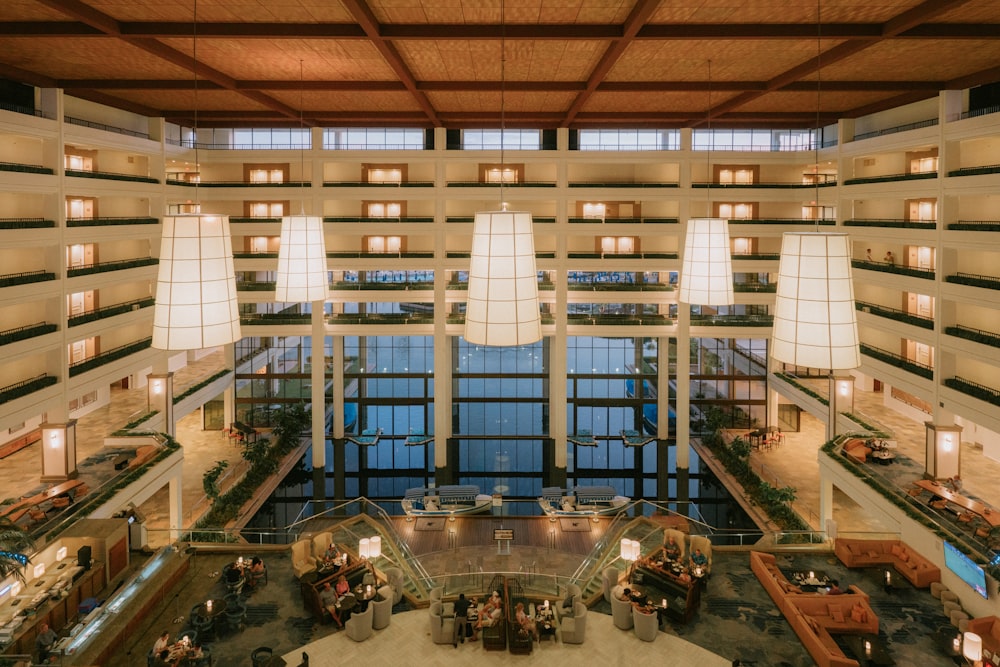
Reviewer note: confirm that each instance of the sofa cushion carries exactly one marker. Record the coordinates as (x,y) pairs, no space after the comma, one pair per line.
(836,613)
(896,550)
(904,555)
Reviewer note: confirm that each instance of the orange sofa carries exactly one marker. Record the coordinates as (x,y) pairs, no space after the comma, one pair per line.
(856,449)
(815,617)
(869,553)
(987,627)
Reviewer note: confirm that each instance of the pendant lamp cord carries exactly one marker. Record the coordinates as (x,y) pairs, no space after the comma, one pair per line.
(194,133)
(819,129)
(503,82)
(708,152)
(302,143)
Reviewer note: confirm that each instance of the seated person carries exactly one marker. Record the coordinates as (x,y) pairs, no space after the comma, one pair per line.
(491,613)
(472,618)
(329,599)
(671,549)
(256,572)
(684,577)
(625,595)
(638,598)
(162,642)
(698,559)
(834,588)
(342,587)
(162,659)
(44,641)
(431,504)
(331,557)
(567,504)
(526,623)
(234,575)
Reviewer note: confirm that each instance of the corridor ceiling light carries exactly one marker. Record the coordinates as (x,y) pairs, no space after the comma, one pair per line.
(196,287)
(815,324)
(707,269)
(502,298)
(302,271)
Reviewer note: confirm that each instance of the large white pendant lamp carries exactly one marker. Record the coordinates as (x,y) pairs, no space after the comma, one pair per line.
(196,287)
(707,268)
(502,306)
(815,323)
(302,271)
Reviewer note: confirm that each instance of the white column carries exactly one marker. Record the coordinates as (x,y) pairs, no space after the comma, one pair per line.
(683,384)
(825,503)
(943,450)
(841,396)
(59,451)
(337,355)
(175,505)
(318,393)
(557,394)
(160,397)
(442,395)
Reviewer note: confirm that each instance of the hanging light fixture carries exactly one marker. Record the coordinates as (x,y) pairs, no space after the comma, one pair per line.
(302,270)
(502,303)
(815,322)
(196,285)
(707,267)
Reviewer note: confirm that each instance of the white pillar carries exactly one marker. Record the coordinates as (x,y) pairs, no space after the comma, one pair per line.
(943,450)
(683,384)
(175,505)
(825,503)
(59,451)
(160,397)
(841,396)
(442,397)
(318,393)
(337,354)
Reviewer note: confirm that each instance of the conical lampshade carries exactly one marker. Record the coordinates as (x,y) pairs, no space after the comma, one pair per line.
(196,288)
(502,306)
(707,270)
(302,273)
(815,323)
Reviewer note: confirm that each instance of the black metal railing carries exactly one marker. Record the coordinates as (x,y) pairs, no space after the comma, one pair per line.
(974,280)
(25,387)
(27,331)
(898,360)
(106,357)
(106,128)
(379,221)
(974,171)
(116,265)
(781,221)
(25,277)
(974,389)
(521,184)
(732,320)
(26,223)
(976,335)
(25,168)
(103,221)
(891,222)
(240,184)
(110,175)
(109,311)
(755,288)
(887,178)
(617,255)
(930,122)
(622,184)
(895,314)
(886,267)
(363,184)
(975,225)
(765,185)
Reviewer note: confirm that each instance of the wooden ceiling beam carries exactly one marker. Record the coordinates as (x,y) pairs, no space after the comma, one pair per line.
(636,19)
(362,13)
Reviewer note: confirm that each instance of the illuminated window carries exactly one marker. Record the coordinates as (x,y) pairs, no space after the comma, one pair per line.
(923,165)
(266,209)
(617,245)
(267,176)
(594,211)
(736,211)
(385,244)
(380,175)
(79,163)
(742,245)
(735,176)
(377,209)
(501,175)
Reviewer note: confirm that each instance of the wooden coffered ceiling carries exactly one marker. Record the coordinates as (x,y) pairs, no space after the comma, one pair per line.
(564,63)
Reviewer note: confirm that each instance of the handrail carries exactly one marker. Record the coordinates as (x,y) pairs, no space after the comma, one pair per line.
(107,128)
(930,122)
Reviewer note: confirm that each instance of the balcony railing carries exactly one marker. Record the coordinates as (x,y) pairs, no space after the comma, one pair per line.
(888,178)
(116,265)
(380,318)
(930,122)
(576,319)
(256,285)
(897,360)
(252,319)
(607,286)
(256,254)
(618,255)
(764,185)
(251,218)
(885,267)
(781,221)
(25,387)
(521,184)
(895,314)
(101,222)
(379,221)
(976,335)
(241,184)
(974,280)
(380,255)
(621,184)
(364,285)
(25,168)
(26,331)
(25,277)
(110,175)
(974,389)
(732,320)
(898,223)
(26,223)
(625,221)
(105,128)
(976,225)
(108,356)
(470,218)
(362,184)
(755,288)
(109,311)
(974,171)
(767,256)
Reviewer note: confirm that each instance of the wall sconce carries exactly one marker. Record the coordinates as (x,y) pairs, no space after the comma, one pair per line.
(843,388)
(61,553)
(375,547)
(39,570)
(15,589)
(157,387)
(54,439)
(947,444)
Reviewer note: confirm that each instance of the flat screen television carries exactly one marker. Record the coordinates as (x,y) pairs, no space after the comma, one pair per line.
(965,569)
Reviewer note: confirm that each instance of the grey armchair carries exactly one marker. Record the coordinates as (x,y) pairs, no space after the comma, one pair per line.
(609,579)
(647,624)
(395,576)
(447,608)
(621,610)
(383,608)
(705,545)
(575,627)
(302,558)
(442,626)
(359,625)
